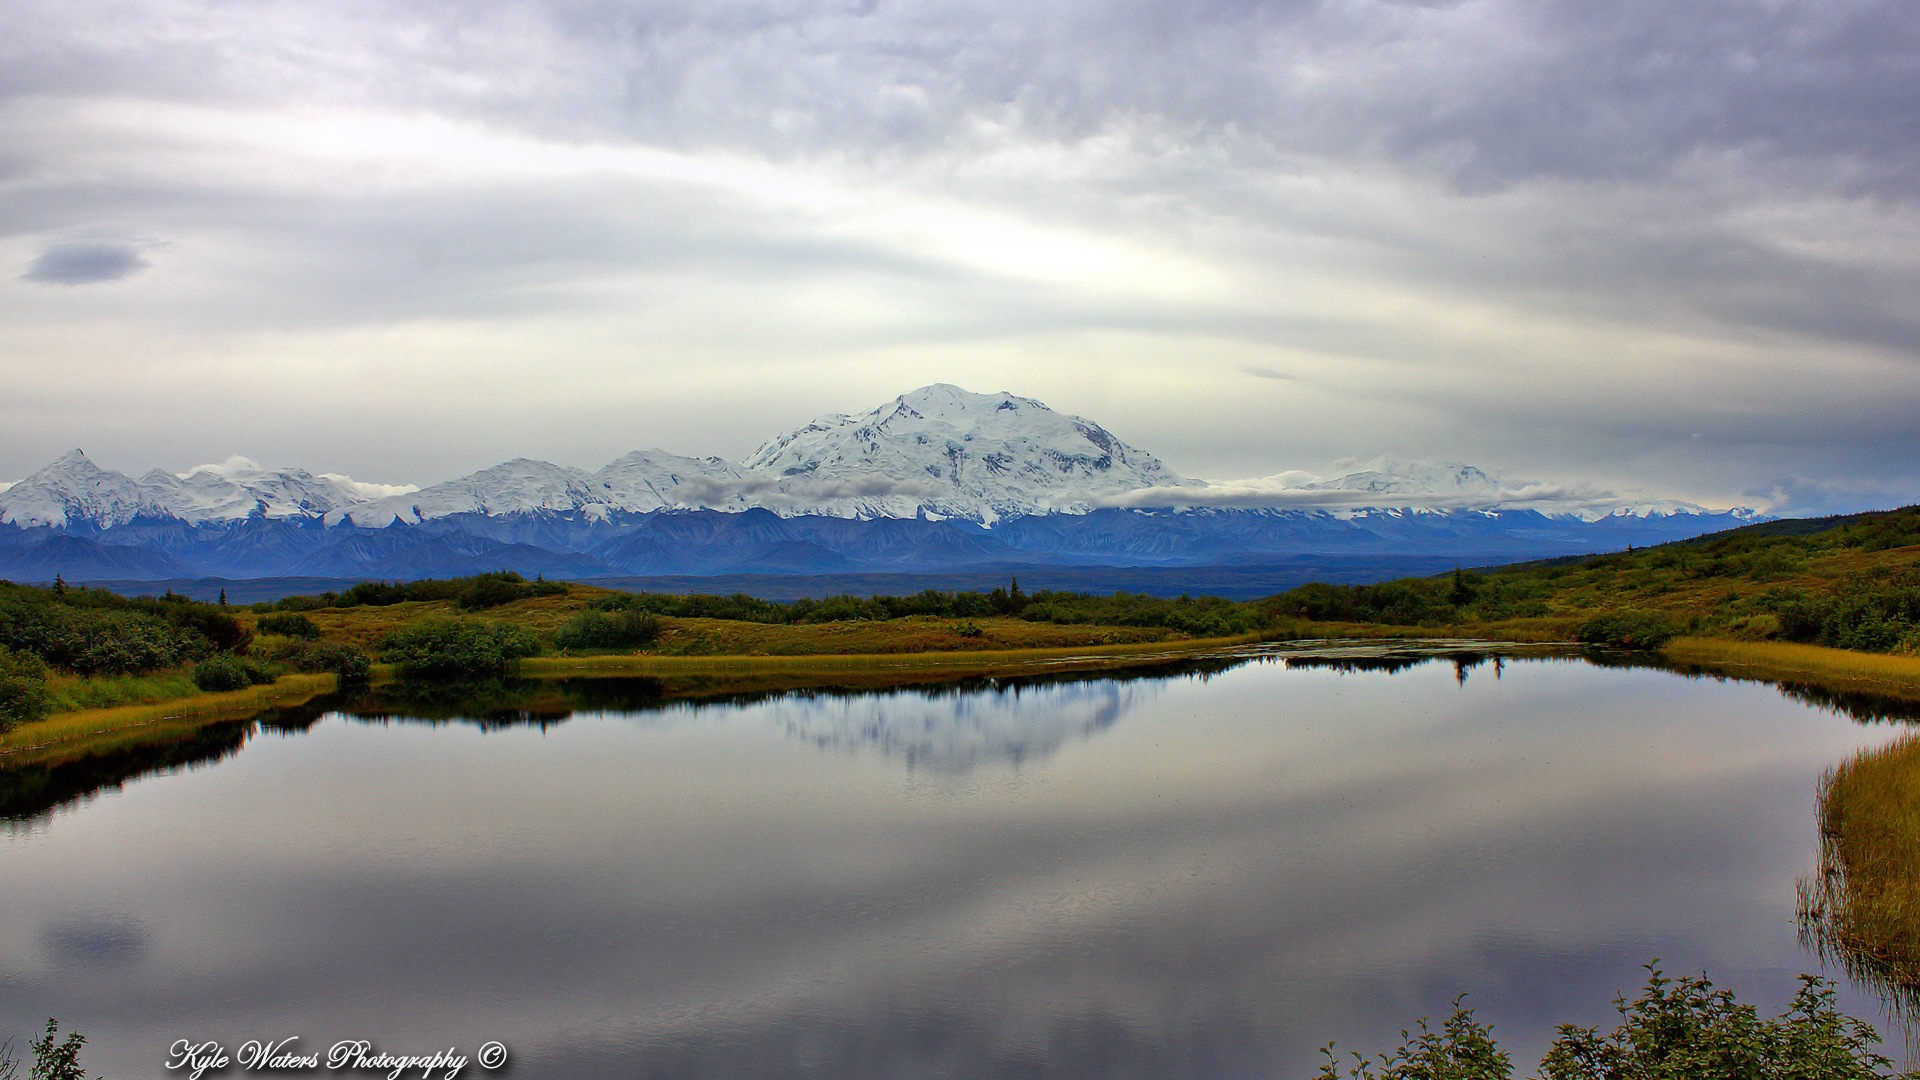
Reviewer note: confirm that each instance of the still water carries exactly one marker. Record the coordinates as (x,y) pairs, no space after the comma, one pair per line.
(1204,874)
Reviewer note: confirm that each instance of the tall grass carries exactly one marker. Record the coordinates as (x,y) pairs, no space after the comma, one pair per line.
(1836,669)
(88,724)
(74,693)
(1864,901)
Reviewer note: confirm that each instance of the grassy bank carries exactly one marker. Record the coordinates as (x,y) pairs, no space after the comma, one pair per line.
(88,731)
(1864,902)
(1790,662)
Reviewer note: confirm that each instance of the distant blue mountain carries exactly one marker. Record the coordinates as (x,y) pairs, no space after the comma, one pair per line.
(699,543)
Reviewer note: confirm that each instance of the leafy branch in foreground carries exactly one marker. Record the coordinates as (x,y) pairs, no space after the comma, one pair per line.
(1678,1029)
(51,1060)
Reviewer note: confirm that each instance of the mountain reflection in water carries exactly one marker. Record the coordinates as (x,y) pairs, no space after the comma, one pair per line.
(948,726)
(1202,871)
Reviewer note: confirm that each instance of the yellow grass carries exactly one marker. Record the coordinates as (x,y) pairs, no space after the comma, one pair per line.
(1781,661)
(56,733)
(912,634)
(1865,900)
(365,625)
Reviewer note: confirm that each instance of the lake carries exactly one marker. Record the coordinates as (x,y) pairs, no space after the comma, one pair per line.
(1207,871)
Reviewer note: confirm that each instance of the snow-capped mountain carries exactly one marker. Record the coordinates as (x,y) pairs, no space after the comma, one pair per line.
(519,486)
(943,452)
(656,480)
(937,452)
(639,482)
(237,489)
(1391,485)
(935,479)
(74,493)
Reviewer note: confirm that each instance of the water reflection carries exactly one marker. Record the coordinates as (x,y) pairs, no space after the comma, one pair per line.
(31,792)
(939,725)
(1865,706)
(1204,873)
(955,731)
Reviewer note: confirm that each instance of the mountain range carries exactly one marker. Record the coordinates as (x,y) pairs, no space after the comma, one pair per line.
(936,480)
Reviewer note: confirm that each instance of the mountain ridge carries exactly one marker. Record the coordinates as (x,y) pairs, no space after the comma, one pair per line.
(937,479)
(936,452)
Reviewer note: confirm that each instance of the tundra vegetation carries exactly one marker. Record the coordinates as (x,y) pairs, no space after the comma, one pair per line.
(1677,1029)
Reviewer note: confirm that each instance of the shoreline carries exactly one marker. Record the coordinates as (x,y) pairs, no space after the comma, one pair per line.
(1769,662)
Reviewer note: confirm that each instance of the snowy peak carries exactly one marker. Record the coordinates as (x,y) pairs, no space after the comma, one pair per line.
(1426,477)
(654,480)
(936,452)
(237,489)
(520,486)
(73,492)
(1390,485)
(943,452)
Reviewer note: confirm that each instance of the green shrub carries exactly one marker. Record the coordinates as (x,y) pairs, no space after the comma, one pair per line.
(288,624)
(23,689)
(1627,630)
(345,661)
(51,1060)
(492,590)
(628,628)
(1676,1030)
(225,671)
(95,640)
(446,648)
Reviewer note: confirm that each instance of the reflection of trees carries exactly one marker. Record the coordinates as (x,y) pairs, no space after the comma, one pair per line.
(1866,706)
(491,703)
(33,791)
(1392,662)
(29,791)
(1861,705)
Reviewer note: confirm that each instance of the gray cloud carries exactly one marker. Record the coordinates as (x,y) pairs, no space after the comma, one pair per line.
(84,262)
(1545,232)
(777,493)
(1267,373)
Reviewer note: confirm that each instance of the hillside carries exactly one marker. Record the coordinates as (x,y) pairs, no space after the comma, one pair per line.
(1849,582)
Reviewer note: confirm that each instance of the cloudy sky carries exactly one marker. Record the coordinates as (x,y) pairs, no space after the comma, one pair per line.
(1670,247)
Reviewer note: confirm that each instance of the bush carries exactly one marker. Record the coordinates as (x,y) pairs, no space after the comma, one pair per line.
(346,661)
(225,671)
(96,640)
(1627,630)
(628,628)
(456,648)
(288,624)
(491,590)
(1676,1030)
(51,1060)
(23,689)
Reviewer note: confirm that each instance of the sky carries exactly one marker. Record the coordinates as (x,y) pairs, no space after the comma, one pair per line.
(1667,248)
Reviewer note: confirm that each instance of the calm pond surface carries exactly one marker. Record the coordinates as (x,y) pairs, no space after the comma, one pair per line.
(1193,874)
